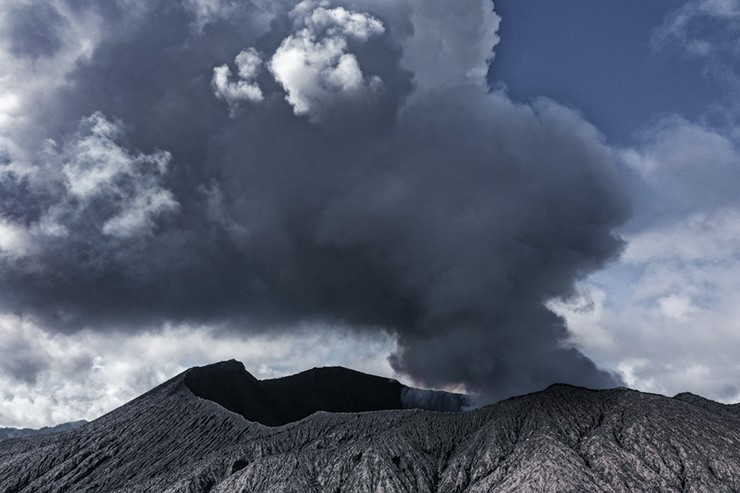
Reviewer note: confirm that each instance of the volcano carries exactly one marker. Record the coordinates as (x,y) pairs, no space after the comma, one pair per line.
(219,429)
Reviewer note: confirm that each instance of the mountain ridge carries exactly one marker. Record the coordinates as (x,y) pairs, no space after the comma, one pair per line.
(8,433)
(562,438)
(279,401)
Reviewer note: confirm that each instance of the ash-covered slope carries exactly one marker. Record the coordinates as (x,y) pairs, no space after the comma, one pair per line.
(561,439)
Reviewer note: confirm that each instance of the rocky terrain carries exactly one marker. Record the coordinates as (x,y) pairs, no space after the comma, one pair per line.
(190,435)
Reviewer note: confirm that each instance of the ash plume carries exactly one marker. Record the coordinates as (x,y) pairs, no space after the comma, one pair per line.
(261,164)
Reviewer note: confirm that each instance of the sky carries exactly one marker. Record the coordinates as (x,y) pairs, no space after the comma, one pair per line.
(475,196)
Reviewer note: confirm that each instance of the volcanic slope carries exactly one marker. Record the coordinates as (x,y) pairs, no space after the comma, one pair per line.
(174,439)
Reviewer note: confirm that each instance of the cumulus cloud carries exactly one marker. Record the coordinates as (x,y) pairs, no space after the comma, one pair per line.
(314,65)
(248,63)
(406,202)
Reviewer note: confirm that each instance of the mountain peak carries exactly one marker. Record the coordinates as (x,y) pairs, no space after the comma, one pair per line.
(278,401)
(565,438)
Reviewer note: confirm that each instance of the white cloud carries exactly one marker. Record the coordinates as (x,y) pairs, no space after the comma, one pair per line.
(451,43)
(25,82)
(659,338)
(707,30)
(137,217)
(95,167)
(9,103)
(676,307)
(701,237)
(338,21)
(88,184)
(667,315)
(683,169)
(248,63)
(314,65)
(207,12)
(48,378)
(682,25)
(676,146)
(15,241)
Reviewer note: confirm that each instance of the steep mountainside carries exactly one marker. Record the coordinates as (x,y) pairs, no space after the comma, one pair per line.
(561,439)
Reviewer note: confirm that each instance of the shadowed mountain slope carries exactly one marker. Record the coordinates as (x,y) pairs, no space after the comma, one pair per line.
(561,439)
(284,400)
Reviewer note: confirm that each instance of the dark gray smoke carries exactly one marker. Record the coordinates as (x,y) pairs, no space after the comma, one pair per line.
(35,30)
(259,164)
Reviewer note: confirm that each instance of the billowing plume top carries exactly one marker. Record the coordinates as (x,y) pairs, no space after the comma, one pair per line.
(259,165)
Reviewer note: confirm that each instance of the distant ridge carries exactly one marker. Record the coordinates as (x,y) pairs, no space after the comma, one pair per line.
(712,406)
(8,433)
(562,439)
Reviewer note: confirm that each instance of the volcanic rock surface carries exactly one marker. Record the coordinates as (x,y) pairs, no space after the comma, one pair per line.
(218,429)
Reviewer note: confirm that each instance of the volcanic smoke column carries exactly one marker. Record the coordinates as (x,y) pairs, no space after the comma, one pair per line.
(259,165)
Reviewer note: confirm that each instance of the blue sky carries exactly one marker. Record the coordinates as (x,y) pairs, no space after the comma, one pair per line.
(602,58)
(297,184)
